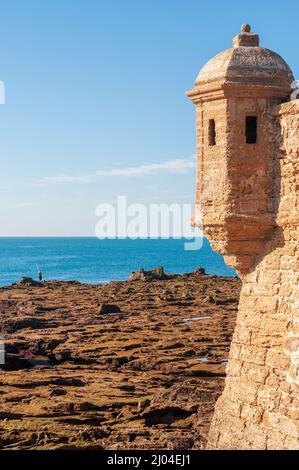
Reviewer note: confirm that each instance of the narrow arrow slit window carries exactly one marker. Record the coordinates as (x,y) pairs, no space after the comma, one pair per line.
(251,129)
(212,132)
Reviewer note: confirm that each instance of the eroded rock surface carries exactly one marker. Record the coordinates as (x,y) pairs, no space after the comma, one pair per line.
(145,378)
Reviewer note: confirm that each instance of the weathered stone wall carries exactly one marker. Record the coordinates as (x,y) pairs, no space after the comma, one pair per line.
(235,189)
(259,408)
(211,161)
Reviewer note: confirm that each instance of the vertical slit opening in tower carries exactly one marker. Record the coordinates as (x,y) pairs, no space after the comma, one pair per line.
(212,132)
(251,129)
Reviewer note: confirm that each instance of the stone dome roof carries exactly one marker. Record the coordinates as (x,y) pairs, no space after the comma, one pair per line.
(247,62)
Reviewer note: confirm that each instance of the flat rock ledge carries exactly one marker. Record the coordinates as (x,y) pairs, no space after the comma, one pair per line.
(146,379)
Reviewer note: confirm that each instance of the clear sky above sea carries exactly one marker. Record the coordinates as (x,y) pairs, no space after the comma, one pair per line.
(95,104)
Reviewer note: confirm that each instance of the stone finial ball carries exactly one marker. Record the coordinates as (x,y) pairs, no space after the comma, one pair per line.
(245,28)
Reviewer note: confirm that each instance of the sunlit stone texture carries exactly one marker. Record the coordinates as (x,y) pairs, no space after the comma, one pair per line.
(248,195)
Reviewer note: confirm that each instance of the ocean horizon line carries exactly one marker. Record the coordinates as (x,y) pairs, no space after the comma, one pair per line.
(97,238)
(93,260)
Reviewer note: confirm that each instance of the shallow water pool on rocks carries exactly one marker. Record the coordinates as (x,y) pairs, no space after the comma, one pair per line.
(203,359)
(187,320)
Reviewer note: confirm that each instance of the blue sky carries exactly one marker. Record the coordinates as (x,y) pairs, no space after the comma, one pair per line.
(95,103)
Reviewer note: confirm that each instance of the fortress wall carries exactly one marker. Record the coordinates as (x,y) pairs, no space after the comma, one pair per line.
(259,408)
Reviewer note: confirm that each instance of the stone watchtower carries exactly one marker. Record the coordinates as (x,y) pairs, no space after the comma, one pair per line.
(235,94)
(248,198)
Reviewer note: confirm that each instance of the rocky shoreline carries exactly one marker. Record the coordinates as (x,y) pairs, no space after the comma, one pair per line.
(145,376)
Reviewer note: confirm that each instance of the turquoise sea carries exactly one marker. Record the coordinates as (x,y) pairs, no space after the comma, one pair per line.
(90,260)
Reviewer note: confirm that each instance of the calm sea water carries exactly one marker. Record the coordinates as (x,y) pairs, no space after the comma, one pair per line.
(90,260)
